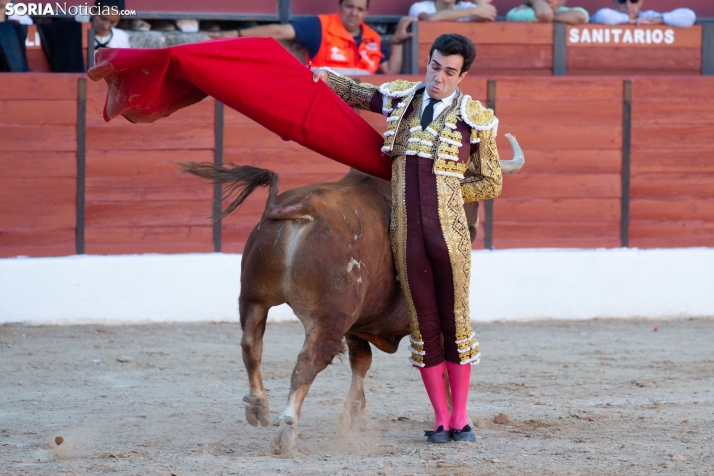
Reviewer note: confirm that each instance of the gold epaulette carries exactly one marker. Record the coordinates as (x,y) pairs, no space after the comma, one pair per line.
(475,115)
(399,88)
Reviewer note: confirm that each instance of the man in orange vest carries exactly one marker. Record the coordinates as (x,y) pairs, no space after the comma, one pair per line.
(340,41)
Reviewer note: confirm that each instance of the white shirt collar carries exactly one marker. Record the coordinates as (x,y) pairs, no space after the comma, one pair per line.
(446,102)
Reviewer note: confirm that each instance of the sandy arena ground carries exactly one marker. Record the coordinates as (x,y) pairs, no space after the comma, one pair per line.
(588,397)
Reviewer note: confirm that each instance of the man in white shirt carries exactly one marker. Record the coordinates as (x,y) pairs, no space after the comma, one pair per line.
(629,11)
(453,10)
(104,23)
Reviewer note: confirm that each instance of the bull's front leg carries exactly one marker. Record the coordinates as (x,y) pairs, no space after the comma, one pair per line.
(253,318)
(360,354)
(320,347)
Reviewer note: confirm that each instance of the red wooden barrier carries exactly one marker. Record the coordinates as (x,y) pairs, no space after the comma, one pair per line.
(501,48)
(672,162)
(38,146)
(568,193)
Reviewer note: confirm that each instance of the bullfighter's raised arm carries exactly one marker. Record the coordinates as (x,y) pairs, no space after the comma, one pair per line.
(363,96)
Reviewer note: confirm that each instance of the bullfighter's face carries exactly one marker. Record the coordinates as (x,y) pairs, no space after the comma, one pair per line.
(629,7)
(443,74)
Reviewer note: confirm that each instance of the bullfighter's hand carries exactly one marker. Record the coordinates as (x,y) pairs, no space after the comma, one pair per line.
(320,74)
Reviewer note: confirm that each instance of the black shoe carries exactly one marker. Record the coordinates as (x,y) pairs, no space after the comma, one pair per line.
(464,434)
(438,436)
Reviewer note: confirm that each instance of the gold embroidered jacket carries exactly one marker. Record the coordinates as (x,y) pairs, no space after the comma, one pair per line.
(464,146)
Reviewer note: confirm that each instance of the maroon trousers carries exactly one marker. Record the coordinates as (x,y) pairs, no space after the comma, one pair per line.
(429,272)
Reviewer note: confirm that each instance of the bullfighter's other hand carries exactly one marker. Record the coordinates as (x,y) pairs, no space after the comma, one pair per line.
(320,74)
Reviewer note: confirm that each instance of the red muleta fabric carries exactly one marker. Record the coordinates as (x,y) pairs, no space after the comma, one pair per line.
(255,76)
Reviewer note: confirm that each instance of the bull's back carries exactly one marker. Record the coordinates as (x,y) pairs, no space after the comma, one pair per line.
(327,253)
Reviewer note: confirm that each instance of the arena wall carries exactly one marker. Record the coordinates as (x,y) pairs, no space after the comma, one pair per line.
(577,133)
(505,285)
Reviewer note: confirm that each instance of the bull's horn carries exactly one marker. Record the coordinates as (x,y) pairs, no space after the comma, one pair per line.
(514,165)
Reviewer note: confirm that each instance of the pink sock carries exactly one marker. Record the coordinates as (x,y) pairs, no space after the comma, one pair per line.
(460,378)
(433,378)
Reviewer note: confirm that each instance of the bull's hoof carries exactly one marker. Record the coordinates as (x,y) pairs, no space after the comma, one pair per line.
(284,439)
(353,417)
(257,410)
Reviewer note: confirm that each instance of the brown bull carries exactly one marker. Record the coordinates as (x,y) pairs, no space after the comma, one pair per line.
(323,249)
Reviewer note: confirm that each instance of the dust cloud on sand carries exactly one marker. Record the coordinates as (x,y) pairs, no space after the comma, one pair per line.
(585,397)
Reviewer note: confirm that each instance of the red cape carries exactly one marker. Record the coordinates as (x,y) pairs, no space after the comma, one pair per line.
(255,76)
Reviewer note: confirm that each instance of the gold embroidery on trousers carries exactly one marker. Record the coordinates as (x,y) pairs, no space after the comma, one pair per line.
(458,241)
(398,232)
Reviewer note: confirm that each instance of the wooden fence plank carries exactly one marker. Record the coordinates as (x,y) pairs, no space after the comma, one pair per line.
(635,60)
(31,192)
(146,189)
(562,186)
(559,89)
(556,230)
(44,164)
(672,112)
(38,113)
(698,88)
(141,162)
(665,161)
(560,112)
(673,186)
(554,161)
(557,243)
(490,33)
(33,138)
(649,209)
(672,230)
(150,137)
(45,86)
(504,57)
(548,136)
(165,213)
(674,136)
(557,209)
(47,215)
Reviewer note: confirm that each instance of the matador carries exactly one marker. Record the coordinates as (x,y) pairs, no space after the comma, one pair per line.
(442,144)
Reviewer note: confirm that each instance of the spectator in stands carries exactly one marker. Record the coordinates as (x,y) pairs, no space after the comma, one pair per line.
(548,11)
(341,41)
(105,33)
(453,10)
(628,11)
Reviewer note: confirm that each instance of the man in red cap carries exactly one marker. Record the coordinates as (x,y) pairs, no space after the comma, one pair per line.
(442,145)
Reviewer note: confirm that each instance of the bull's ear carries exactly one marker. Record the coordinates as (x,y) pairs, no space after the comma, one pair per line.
(472,233)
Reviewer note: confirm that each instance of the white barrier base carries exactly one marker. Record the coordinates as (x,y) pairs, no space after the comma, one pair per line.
(505,285)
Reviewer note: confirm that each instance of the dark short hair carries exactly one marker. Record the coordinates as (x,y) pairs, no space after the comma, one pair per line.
(453,44)
(367,3)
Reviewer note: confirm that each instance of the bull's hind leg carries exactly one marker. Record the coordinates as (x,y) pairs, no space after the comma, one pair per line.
(360,361)
(253,318)
(320,347)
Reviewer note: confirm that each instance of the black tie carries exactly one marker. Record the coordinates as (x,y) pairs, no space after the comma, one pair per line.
(428,114)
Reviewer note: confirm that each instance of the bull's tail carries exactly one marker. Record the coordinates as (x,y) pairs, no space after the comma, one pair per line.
(241,181)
